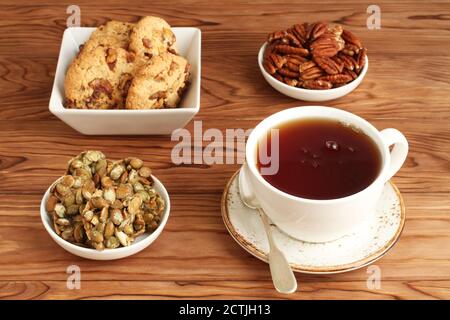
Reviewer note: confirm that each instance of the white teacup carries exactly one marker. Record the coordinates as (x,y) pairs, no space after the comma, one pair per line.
(323,220)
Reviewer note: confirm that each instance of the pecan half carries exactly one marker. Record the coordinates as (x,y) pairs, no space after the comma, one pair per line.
(349,62)
(339,63)
(276,35)
(292,66)
(284,48)
(296,59)
(306,65)
(327,64)
(312,73)
(277,60)
(350,73)
(324,40)
(317,30)
(288,73)
(309,27)
(300,32)
(325,51)
(337,78)
(268,65)
(351,38)
(293,39)
(325,46)
(317,84)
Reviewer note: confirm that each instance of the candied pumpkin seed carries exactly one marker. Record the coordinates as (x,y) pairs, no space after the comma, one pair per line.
(109,229)
(136,163)
(116,216)
(124,191)
(98,202)
(68,181)
(63,222)
(72,209)
(123,238)
(109,194)
(145,172)
(116,172)
(60,210)
(112,243)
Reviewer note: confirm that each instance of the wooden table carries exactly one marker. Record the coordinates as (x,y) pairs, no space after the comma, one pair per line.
(407,87)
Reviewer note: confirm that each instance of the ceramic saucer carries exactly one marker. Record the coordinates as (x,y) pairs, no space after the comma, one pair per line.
(350,252)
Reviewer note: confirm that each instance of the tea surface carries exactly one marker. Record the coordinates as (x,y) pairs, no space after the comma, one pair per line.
(322,159)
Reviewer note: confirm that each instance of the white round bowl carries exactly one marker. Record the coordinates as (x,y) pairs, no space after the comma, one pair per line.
(307,94)
(140,243)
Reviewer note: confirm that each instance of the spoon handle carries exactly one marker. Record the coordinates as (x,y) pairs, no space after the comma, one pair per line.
(282,275)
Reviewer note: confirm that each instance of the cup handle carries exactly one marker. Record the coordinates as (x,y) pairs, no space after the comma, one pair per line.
(399,152)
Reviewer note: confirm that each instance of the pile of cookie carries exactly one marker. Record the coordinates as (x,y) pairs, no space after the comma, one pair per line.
(127,66)
(314,56)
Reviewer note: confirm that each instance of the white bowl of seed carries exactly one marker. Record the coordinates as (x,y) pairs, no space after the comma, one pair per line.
(140,243)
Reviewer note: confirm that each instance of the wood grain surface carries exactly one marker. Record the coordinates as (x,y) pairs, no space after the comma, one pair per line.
(407,87)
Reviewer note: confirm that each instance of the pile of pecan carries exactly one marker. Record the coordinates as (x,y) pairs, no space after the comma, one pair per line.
(314,56)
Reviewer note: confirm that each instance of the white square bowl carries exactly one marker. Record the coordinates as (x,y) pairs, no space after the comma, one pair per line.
(128,122)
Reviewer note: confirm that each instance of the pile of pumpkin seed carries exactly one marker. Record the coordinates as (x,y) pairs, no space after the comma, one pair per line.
(101,203)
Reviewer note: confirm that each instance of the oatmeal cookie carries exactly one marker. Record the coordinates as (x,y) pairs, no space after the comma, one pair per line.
(99,78)
(152,36)
(159,84)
